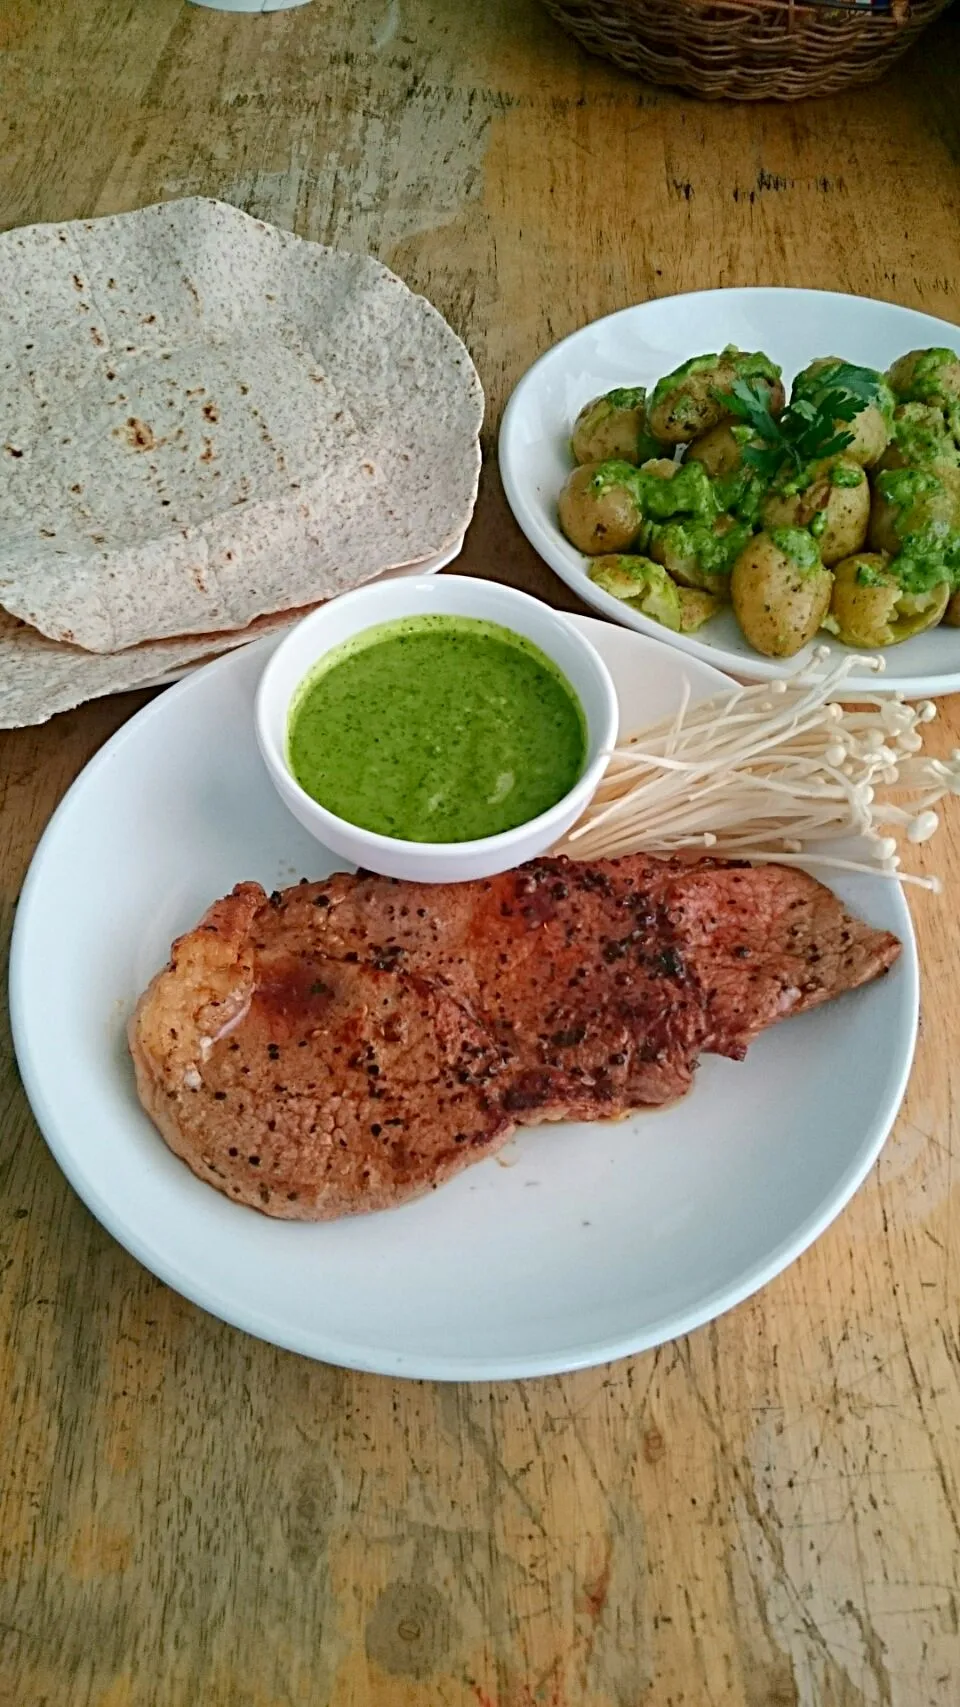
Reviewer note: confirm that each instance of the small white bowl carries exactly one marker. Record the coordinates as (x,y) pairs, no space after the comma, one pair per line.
(446,595)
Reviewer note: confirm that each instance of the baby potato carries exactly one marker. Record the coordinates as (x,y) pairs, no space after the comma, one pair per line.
(835,506)
(738,487)
(846,514)
(781,591)
(614,426)
(686,403)
(920,440)
(700,554)
(661,467)
(871,431)
(696,608)
(813,373)
(720,450)
(883,532)
(671,546)
(599,509)
(642,585)
(908,501)
(871,428)
(669,489)
(926,376)
(869,607)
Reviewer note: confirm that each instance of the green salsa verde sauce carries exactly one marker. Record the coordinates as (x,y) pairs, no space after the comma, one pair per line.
(797,544)
(436,729)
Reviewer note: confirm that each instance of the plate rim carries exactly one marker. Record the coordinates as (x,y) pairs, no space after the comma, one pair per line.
(528,520)
(261,1324)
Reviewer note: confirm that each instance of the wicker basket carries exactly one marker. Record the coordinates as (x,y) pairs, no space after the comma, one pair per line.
(748,50)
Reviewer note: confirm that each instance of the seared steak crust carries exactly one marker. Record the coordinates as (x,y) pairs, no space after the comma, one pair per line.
(345,1045)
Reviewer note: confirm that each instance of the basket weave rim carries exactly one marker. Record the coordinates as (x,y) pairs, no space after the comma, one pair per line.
(748,50)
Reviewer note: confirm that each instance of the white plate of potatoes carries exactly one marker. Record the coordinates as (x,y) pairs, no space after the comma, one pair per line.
(638,347)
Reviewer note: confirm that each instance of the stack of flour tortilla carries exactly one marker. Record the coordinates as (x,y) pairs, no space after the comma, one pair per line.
(208,426)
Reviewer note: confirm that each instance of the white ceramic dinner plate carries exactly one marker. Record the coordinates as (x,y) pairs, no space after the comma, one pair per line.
(580,1244)
(638,346)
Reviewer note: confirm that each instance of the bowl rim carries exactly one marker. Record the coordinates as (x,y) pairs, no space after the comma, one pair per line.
(586,783)
(525,497)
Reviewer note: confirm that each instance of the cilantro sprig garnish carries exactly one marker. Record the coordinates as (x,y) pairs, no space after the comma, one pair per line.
(807,430)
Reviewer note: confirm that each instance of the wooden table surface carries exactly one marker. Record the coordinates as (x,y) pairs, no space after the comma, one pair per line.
(766,1514)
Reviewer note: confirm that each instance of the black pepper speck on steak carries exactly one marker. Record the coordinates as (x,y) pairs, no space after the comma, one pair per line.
(343,1046)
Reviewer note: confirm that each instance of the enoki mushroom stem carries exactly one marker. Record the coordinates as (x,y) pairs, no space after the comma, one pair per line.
(777,772)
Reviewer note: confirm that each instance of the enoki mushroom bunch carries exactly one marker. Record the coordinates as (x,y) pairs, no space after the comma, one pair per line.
(777,772)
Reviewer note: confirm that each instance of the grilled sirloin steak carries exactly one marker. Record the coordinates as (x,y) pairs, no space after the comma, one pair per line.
(348,1044)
